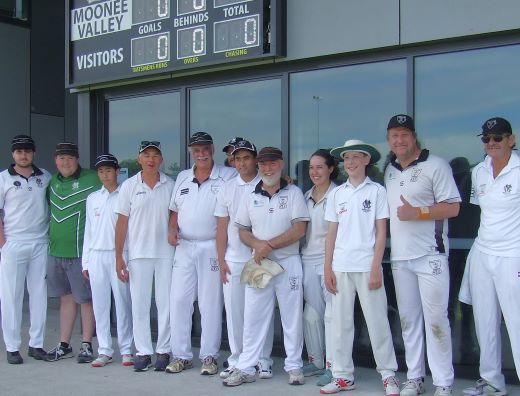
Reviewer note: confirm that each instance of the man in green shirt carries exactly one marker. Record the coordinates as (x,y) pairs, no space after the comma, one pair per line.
(67,193)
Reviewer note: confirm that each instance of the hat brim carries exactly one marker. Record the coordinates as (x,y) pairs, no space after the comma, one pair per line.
(107,163)
(374,154)
(150,146)
(72,153)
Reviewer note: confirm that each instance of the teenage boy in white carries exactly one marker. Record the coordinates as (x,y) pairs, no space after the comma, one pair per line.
(98,262)
(24,243)
(233,254)
(357,212)
(142,221)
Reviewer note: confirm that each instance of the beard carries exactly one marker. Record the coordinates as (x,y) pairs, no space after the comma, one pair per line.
(272,180)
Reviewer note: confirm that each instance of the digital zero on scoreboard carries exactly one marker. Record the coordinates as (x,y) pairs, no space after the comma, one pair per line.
(109,40)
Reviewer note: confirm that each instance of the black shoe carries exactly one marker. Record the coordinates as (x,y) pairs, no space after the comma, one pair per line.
(85,354)
(142,363)
(60,352)
(37,353)
(161,361)
(14,358)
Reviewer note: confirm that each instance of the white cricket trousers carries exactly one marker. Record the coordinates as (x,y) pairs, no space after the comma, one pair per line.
(196,276)
(316,329)
(495,290)
(422,288)
(142,274)
(20,261)
(374,307)
(104,282)
(259,307)
(234,297)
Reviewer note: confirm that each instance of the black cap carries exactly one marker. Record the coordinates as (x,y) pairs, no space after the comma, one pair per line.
(232,143)
(149,143)
(106,160)
(270,154)
(21,142)
(496,125)
(200,138)
(244,145)
(401,121)
(67,148)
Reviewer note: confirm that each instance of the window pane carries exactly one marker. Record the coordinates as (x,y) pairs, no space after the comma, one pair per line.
(153,117)
(331,106)
(250,110)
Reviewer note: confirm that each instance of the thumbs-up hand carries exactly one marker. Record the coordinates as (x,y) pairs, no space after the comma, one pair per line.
(407,212)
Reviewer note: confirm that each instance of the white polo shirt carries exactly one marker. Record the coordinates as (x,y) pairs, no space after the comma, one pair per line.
(356,209)
(24,204)
(499,199)
(314,248)
(100,223)
(427,181)
(228,201)
(148,217)
(269,217)
(195,204)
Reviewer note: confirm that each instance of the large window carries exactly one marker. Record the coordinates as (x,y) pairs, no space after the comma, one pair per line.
(151,117)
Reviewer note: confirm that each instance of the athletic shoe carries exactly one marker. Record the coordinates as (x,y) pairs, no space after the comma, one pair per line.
(85,354)
(14,358)
(102,361)
(60,352)
(36,353)
(209,366)
(310,370)
(177,365)
(296,377)
(338,385)
(443,391)
(325,378)
(127,360)
(238,377)
(162,360)
(482,387)
(391,386)
(142,363)
(226,373)
(264,369)
(413,387)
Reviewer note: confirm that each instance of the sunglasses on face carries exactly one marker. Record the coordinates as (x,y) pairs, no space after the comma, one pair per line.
(146,143)
(495,138)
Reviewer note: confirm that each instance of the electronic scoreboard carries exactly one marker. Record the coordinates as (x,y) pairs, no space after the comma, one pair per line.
(109,40)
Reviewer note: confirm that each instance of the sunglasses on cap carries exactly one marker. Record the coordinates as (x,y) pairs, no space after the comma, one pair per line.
(146,143)
(496,138)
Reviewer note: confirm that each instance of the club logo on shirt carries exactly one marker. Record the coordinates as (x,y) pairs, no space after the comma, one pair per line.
(97,212)
(508,188)
(257,203)
(140,192)
(17,184)
(213,262)
(294,283)
(271,210)
(282,201)
(415,175)
(436,267)
(215,188)
(391,176)
(185,191)
(39,182)
(342,208)
(367,206)
(75,185)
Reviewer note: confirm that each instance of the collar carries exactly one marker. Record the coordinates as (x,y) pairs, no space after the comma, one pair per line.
(215,172)
(423,156)
(36,171)
(242,182)
(514,162)
(261,191)
(103,190)
(367,180)
(75,175)
(162,178)
(308,195)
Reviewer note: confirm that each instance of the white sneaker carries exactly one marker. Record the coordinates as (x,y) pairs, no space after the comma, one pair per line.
(238,377)
(413,387)
(226,373)
(443,391)
(391,386)
(296,377)
(338,385)
(102,361)
(484,388)
(127,360)
(264,369)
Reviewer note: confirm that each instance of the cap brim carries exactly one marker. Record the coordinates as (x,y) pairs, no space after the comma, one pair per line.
(201,143)
(375,156)
(268,157)
(147,147)
(107,163)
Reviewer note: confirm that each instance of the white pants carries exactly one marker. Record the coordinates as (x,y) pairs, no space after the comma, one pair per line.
(196,276)
(495,289)
(259,307)
(422,288)
(21,261)
(234,297)
(142,274)
(315,330)
(374,306)
(104,282)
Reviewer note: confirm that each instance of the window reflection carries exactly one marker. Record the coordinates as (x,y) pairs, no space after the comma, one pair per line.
(152,117)
(250,110)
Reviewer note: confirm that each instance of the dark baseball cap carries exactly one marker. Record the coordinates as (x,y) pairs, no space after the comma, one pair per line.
(401,121)
(270,154)
(232,143)
(67,148)
(149,143)
(496,125)
(200,138)
(244,145)
(106,160)
(21,142)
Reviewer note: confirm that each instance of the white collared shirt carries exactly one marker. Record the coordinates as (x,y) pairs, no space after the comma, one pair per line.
(356,209)
(148,216)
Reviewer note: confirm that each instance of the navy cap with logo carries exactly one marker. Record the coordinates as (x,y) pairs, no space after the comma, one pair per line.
(401,121)
(106,160)
(496,125)
(21,142)
(67,148)
(244,145)
(149,143)
(203,138)
(232,143)
(270,154)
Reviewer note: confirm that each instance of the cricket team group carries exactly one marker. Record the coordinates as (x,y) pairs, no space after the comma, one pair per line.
(244,237)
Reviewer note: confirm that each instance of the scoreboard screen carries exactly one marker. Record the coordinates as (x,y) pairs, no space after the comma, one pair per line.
(109,40)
